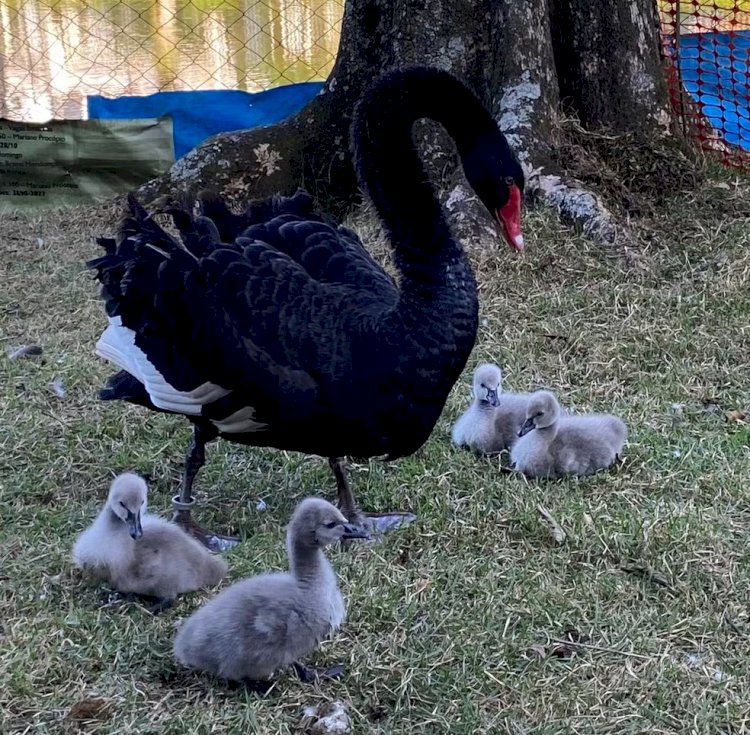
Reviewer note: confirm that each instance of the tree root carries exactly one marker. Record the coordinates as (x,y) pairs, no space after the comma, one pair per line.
(585,210)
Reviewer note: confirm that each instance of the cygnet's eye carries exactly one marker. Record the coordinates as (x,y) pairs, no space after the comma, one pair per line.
(332,524)
(123,505)
(540,413)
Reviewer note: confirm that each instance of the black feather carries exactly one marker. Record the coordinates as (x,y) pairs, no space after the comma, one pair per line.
(290,313)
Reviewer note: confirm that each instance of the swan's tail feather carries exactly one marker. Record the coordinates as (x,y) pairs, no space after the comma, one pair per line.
(122,386)
(231,225)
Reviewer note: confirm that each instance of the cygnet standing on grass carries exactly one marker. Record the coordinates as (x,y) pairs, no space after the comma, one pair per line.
(492,421)
(143,554)
(553,445)
(264,623)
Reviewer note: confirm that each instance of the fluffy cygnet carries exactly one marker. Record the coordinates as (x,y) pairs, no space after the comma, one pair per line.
(492,421)
(552,445)
(143,554)
(264,623)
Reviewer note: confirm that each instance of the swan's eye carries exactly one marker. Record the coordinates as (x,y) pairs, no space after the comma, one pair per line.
(123,505)
(540,413)
(332,524)
(509,181)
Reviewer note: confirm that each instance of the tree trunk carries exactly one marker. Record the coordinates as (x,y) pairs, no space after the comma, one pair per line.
(609,65)
(524,58)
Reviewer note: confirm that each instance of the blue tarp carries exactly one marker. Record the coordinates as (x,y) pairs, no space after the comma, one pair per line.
(199,114)
(715,69)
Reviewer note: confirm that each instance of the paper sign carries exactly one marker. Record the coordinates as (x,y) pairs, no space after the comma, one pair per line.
(79,161)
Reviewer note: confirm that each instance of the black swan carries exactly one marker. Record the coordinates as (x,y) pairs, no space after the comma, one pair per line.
(277,328)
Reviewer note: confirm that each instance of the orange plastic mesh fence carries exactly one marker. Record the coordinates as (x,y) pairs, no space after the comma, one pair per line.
(707,46)
(55,52)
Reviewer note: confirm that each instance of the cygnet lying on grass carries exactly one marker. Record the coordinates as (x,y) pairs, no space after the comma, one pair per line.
(492,421)
(143,554)
(264,623)
(553,445)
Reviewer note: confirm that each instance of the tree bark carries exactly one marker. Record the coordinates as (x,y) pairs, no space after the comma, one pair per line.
(609,65)
(524,58)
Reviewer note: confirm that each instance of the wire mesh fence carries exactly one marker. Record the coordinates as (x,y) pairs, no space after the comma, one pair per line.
(707,46)
(53,53)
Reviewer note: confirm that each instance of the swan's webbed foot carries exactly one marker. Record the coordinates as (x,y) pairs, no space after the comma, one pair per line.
(213,541)
(375,524)
(310,674)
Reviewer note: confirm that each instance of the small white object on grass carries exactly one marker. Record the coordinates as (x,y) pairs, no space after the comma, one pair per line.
(330,718)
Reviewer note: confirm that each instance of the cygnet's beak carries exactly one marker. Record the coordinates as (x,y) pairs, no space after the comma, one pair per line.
(528,426)
(492,398)
(352,531)
(134,524)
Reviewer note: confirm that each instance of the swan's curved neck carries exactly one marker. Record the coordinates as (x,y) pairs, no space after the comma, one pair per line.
(548,433)
(306,563)
(110,519)
(390,170)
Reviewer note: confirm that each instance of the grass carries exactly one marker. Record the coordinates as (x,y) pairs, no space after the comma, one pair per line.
(454,623)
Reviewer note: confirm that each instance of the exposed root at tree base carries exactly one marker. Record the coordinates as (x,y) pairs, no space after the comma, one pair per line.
(633,176)
(600,181)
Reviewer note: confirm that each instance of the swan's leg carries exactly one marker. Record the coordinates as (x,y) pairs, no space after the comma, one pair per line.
(309,674)
(347,504)
(374,522)
(184,502)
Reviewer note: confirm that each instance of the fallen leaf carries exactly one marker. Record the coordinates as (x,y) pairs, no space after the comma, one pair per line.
(422,585)
(88,709)
(24,351)
(554,527)
(536,650)
(736,417)
(418,588)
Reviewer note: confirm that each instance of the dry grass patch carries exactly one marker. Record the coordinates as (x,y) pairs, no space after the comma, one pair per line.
(474,620)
